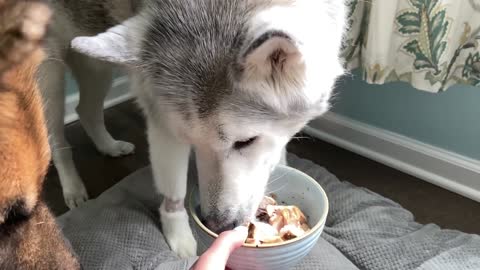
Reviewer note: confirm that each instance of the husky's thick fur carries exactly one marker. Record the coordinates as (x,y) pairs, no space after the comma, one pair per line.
(29,237)
(232,80)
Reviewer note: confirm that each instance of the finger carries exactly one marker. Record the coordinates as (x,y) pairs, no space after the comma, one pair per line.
(228,241)
(216,256)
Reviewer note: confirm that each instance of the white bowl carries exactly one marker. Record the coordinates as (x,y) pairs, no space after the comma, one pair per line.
(292,187)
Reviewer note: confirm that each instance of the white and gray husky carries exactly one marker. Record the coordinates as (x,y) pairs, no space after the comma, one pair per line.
(232,80)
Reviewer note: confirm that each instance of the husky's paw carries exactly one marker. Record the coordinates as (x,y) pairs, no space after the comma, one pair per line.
(75,196)
(178,234)
(184,244)
(117,149)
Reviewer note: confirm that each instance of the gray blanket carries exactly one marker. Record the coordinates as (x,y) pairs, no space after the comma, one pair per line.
(121,230)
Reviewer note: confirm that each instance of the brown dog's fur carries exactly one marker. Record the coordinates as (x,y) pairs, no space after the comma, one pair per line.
(29,237)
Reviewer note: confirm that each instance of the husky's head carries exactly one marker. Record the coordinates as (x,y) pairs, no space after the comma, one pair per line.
(236,80)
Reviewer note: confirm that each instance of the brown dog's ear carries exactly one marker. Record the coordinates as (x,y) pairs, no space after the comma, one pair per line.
(23,25)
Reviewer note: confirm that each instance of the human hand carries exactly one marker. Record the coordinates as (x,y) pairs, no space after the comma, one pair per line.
(215,258)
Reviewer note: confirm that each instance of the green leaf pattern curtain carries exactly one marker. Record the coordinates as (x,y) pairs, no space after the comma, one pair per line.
(432,44)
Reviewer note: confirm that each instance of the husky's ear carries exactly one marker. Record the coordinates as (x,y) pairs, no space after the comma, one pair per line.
(111,46)
(274,53)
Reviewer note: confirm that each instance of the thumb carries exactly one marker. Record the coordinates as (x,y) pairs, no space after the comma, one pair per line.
(216,257)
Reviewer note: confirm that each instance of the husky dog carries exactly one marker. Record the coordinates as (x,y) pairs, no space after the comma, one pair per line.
(231,80)
(29,237)
(75,18)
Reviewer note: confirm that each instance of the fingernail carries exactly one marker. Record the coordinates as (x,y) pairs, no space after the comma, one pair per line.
(242,229)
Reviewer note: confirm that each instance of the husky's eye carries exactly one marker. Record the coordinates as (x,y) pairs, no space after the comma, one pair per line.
(238,145)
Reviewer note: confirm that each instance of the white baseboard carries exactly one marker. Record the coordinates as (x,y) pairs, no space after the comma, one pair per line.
(438,166)
(118,94)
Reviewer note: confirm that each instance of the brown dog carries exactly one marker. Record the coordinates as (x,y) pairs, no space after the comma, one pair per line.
(29,237)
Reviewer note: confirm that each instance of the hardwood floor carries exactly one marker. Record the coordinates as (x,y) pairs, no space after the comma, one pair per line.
(429,203)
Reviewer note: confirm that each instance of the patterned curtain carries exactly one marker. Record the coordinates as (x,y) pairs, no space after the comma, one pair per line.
(432,44)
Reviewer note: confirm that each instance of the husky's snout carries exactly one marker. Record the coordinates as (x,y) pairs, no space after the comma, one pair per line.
(226,216)
(219,221)
(232,181)
(228,220)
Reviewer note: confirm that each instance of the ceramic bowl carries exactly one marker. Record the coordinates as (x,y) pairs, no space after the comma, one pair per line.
(292,187)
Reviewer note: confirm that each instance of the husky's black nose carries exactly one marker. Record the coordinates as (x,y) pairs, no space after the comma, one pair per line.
(219,228)
(220,224)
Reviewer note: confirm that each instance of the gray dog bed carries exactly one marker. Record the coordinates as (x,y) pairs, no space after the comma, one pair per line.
(121,230)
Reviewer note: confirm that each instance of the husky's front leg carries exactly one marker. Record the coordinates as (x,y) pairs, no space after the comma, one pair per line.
(283,157)
(169,159)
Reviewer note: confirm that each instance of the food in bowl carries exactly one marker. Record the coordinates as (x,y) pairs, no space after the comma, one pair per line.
(276,223)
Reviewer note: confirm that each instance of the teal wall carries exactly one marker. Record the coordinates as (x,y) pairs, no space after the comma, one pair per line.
(450,120)
(71,85)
